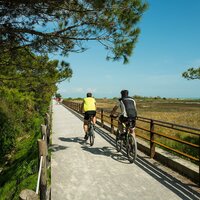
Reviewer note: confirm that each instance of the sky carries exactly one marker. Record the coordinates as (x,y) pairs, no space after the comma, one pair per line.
(168,45)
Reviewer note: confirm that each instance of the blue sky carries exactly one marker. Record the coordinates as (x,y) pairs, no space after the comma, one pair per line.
(168,45)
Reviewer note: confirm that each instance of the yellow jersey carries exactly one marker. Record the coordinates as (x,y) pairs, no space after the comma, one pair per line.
(89,104)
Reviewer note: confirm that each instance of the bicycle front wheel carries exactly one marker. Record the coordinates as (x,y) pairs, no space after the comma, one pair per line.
(131,148)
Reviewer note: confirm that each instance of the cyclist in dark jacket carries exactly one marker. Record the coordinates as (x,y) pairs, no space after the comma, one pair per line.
(128,109)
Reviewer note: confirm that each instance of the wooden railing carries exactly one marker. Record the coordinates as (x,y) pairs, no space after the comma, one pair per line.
(43,144)
(191,141)
(180,140)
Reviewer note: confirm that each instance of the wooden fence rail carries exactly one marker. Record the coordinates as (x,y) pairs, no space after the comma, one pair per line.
(43,144)
(180,140)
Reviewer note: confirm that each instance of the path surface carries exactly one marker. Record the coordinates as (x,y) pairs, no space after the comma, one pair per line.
(81,172)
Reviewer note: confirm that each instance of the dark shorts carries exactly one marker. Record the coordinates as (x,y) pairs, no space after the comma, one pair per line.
(123,119)
(88,114)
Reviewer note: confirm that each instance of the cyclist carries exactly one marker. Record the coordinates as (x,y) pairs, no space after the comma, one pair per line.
(128,110)
(89,109)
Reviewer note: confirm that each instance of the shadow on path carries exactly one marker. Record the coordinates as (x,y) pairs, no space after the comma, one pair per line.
(181,189)
(106,151)
(55,147)
(73,139)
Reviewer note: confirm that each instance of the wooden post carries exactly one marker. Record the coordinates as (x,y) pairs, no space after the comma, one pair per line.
(80,106)
(102,118)
(48,127)
(42,149)
(28,195)
(44,132)
(43,180)
(79,109)
(112,126)
(199,160)
(152,137)
(43,129)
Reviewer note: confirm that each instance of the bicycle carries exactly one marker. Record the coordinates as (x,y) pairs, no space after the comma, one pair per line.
(127,138)
(90,133)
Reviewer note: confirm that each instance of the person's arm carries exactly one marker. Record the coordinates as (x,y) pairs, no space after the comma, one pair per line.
(95,104)
(135,107)
(114,110)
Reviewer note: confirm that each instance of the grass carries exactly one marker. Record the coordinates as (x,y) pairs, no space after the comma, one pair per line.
(178,112)
(21,170)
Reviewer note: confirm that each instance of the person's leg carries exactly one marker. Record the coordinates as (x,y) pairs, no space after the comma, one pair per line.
(94,120)
(85,127)
(85,124)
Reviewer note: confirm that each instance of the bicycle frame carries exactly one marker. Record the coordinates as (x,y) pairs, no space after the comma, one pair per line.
(91,130)
(128,126)
(129,141)
(90,123)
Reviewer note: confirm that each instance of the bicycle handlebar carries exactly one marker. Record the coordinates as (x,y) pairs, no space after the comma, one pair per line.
(114,116)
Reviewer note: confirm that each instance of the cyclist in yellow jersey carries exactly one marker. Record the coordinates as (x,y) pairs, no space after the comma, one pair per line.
(89,109)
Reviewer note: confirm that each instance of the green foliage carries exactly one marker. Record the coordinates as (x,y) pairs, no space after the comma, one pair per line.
(7,136)
(192,73)
(27,84)
(21,170)
(32,77)
(112,23)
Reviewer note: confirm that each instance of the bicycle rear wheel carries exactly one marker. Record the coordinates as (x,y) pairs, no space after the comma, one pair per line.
(131,148)
(118,142)
(91,135)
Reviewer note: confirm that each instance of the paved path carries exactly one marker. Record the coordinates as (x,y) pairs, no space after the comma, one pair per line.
(81,172)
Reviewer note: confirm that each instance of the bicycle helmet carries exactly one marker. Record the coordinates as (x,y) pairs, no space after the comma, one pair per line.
(89,94)
(124,93)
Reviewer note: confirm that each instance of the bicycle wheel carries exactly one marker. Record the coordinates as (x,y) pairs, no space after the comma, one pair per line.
(131,148)
(118,142)
(91,135)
